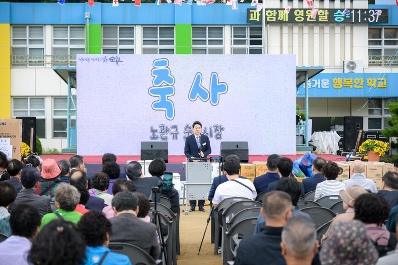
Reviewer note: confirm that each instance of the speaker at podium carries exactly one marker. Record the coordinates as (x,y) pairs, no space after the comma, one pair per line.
(151,150)
(241,149)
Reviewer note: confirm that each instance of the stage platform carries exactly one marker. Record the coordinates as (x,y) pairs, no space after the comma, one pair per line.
(175,163)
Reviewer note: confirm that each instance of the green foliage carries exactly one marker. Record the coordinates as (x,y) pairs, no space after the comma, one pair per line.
(52,151)
(39,147)
(392,131)
(300,113)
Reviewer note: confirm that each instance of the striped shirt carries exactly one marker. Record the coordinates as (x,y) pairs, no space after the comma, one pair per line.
(327,188)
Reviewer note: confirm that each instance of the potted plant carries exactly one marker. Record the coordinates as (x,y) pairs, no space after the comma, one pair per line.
(374,149)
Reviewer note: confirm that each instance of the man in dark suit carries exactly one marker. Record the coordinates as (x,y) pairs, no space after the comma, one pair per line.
(29,178)
(197,145)
(310,183)
(79,179)
(127,228)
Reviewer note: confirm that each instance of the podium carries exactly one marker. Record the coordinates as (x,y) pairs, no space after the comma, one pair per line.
(198,181)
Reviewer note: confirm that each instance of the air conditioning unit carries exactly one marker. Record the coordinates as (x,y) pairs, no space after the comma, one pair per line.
(353,66)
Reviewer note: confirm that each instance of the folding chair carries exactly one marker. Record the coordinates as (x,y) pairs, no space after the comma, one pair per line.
(319,215)
(309,196)
(237,232)
(136,255)
(260,196)
(168,239)
(322,230)
(301,204)
(328,201)
(165,201)
(217,227)
(3,237)
(337,208)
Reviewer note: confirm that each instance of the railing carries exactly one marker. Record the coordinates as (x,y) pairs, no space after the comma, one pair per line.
(53,60)
(389,60)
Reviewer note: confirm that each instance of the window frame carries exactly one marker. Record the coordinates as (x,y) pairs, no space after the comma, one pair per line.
(383,59)
(28,59)
(62,117)
(118,46)
(158,48)
(69,60)
(29,110)
(249,37)
(208,47)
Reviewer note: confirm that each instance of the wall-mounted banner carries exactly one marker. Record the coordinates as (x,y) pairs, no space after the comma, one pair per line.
(299,15)
(360,85)
(126,99)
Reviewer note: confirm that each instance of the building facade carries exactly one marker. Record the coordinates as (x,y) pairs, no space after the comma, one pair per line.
(356,44)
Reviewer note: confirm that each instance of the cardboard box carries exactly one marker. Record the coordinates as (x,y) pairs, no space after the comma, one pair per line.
(248,171)
(344,173)
(12,129)
(261,168)
(378,182)
(387,167)
(374,170)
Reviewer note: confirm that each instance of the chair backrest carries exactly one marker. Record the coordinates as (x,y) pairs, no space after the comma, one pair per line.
(241,215)
(260,196)
(309,196)
(337,208)
(322,230)
(319,215)
(165,201)
(301,204)
(240,230)
(136,255)
(229,201)
(166,211)
(328,201)
(233,209)
(3,237)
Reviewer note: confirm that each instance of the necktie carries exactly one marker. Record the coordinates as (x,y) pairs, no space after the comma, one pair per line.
(198,141)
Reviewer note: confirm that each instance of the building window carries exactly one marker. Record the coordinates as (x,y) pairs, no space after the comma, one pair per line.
(207,40)
(60,115)
(378,113)
(158,40)
(27,45)
(383,46)
(31,107)
(68,41)
(117,40)
(247,40)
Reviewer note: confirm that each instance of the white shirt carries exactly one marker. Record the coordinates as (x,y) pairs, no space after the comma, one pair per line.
(328,188)
(360,179)
(233,189)
(14,250)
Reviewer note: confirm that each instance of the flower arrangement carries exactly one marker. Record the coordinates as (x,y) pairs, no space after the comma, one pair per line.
(25,150)
(376,146)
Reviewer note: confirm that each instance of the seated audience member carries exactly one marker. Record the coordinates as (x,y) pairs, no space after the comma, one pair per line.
(29,178)
(84,196)
(302,167)
(127,228)
(3,167)
(348,196)
(235,186)
(143,184)
(100,183)
(96,230)
(143,207)
(109,157)
(24,223)
(58,243)
(330,186)
(77,163)
(389,188)
(348,243)
(119,185)
(34,161)
(157,168)
(310,183)
(372,210)
(14,169)
(67,197)
(50,179)
(261,182)
(285,167)
(112,169)
(265,248)
(64,165)
(391,258)
(291,187)
(79,178)
(359,178)
(299,244)
(8,193)
(391,224)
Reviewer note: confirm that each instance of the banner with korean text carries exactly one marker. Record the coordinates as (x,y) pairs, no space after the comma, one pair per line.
(126,99)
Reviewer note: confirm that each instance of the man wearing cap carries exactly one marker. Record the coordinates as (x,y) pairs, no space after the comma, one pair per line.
(50,172)
(29,179)
(357,177)
(348,196)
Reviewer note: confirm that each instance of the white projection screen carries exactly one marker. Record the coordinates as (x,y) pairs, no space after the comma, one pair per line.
(125,99)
